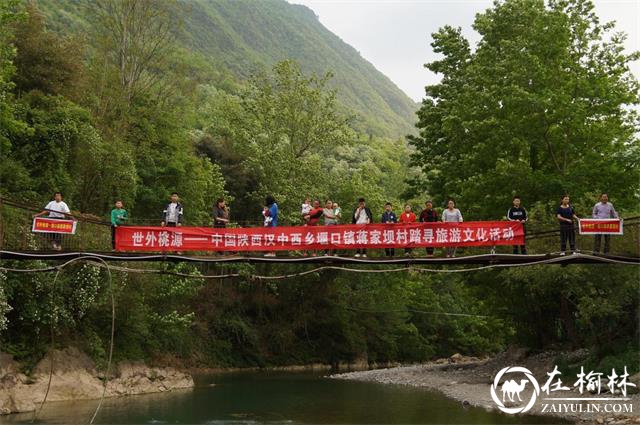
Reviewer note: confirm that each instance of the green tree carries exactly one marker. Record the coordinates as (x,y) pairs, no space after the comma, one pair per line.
(134,36)
(65,152)
(13,175)
(45,61)
(282,129)
(541,107)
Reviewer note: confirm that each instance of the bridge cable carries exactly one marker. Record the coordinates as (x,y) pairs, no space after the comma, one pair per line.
(102,263)
(59,269)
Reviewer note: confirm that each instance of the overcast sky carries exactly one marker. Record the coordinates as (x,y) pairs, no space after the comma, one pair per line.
(395,35)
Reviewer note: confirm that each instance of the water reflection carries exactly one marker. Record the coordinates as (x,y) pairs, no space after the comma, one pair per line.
(277,398)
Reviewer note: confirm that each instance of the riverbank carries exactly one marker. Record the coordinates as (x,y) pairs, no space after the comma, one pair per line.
(75,377)
(342,367)
(468,380)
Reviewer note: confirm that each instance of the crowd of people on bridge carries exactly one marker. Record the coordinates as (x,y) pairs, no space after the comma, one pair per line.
(313,214)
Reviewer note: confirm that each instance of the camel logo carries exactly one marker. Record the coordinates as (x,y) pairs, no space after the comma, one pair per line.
(511,389)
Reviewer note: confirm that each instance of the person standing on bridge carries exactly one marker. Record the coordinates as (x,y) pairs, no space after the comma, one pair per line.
(337,212)
(361,216)
(566,215)
(58,210)
(389,217)
(451,215)
(314,215)
(220,214)
(603,210)
(407,217)
(270,214)
(429,215)
(172,213)
(312,218)
(119,216)
(305,209)
(330,219)
(518,213)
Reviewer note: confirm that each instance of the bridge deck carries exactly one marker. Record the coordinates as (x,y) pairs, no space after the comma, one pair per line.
(483,259)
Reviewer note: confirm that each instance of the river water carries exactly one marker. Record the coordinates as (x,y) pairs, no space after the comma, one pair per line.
(277,398)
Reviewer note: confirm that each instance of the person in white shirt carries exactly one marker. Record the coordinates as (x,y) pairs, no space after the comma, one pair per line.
(56,209)
(451,214)
(603,210)
(361,216)
(305,209)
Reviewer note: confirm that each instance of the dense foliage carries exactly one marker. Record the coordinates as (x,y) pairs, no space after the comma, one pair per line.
(209,103)
(226,42)
(543,106)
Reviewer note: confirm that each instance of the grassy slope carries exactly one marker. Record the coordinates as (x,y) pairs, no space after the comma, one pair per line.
(243,36)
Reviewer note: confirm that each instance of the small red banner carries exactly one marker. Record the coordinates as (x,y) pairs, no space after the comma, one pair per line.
(600,226)
(52,225)
(478,233)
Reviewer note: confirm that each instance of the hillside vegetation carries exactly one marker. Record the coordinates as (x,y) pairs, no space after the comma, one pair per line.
(239,38)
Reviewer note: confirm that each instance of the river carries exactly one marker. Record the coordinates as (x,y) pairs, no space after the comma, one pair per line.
(277,397)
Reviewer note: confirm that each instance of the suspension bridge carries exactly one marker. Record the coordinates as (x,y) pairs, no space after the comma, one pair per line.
(92,245)
(93,240)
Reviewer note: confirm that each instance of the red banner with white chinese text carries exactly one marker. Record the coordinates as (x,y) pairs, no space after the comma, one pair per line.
(600,226)
(52,225)
(475,233)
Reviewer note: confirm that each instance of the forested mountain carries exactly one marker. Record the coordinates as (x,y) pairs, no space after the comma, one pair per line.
(242,37)
(137,99)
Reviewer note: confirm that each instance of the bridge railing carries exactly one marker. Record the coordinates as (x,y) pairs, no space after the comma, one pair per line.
(546,239)
(93,234)
(16,219)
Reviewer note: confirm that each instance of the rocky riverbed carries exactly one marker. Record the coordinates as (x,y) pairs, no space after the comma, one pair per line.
(469,380)
(75,377)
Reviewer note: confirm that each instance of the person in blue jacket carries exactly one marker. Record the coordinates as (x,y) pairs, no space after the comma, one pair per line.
(270,214)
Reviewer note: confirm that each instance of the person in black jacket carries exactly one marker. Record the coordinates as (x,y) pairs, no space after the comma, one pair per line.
(518,213)
(220,214)
(361,216)
(429,215)
(566,215)
(389,217)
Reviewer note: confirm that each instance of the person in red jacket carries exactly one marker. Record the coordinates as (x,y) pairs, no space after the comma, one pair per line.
(314,216)
(405,218)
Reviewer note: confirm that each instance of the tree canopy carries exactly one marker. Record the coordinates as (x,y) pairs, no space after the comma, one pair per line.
(544,105)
